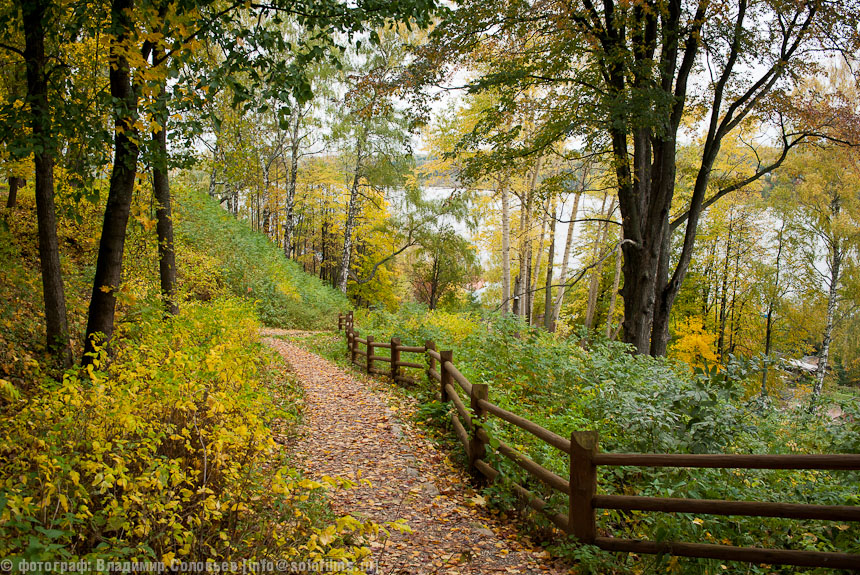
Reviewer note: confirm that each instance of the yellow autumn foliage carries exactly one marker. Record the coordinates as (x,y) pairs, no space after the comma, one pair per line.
(694,344)
(164,452)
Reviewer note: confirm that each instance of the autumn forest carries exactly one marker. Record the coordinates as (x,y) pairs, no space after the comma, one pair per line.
(640,219)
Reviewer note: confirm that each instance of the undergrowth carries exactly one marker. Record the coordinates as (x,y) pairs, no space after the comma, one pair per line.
(640,404)
(165,449)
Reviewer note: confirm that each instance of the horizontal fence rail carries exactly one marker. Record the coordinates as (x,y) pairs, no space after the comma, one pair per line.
(473,407)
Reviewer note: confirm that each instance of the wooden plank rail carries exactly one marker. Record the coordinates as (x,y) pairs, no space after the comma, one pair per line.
(461,407)
(460,431)
(728,552)
(548,436)
(585,459)
(559,519)
(844,461)
(721,507)
(534,468)
(457,376)
(412,349)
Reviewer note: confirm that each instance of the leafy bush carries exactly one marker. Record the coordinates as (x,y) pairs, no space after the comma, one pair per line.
(164,452)
(643,404)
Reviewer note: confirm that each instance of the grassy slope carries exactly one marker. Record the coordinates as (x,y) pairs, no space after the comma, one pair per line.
(251,266)
(166,450)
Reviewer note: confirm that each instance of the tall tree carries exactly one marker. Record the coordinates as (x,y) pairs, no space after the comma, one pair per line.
(373,127)
(124,92)
(161,190)
(35,16)
(620,74)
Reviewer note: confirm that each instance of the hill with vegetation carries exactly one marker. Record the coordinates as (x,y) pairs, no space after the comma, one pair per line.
(163,449)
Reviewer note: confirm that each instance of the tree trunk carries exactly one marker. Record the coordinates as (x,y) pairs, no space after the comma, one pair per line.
(524,256)
(352,210)
(568,242)
(15,183)
(291,186)
(538,257)
(434,284)
(506,248)
(597,270)
(771,305)
(163,210)
(550,263)
(102,308)
(724,292)
(56,323)
(616,281)
(836,255)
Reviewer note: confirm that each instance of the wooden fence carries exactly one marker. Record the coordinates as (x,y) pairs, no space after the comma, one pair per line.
(581,449)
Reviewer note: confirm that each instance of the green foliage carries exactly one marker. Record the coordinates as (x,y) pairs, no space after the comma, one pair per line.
(224,253)
(164,452)
(642,404)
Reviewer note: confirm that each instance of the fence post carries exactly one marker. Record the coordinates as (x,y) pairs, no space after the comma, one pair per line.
(447,355)
(582,522)
(354,347)
(349,321)
(339,321)
(369,353)
(477,447)
(431,361)
(395,357)
(348,339)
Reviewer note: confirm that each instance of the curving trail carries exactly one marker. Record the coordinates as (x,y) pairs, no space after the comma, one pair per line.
(350,431)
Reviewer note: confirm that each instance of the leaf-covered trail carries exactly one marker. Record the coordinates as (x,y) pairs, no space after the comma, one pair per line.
(350,431)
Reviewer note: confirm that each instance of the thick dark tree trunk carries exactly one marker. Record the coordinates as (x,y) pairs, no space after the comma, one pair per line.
(112,244)
(56,324)
(163,209)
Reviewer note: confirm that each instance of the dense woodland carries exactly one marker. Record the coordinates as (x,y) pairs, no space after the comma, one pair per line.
(654,203)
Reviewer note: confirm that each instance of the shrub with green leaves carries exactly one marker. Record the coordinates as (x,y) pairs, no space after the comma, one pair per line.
(643,404)
(164,452)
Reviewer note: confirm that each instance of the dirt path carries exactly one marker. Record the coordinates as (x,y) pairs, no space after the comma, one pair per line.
(351,432)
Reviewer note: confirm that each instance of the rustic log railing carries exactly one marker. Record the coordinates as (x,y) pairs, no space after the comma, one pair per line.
(584,459)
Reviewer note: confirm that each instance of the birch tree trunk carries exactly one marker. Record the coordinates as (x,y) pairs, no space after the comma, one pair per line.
(351,211)
(291,185)
(565,262)
(836,255)
(597,270)
(771,305)
(538,258)
(613,298)
(550,263)
(506,248)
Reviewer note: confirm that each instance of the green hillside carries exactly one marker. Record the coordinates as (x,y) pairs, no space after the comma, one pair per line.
(249,265)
